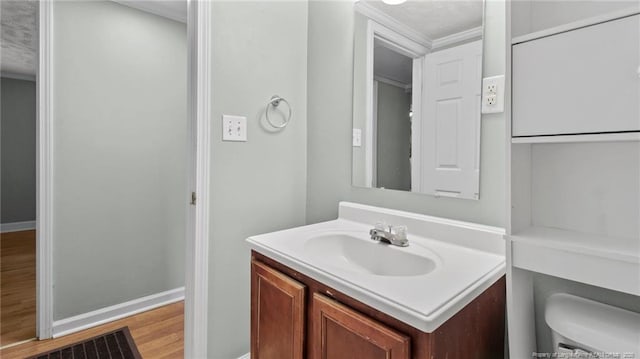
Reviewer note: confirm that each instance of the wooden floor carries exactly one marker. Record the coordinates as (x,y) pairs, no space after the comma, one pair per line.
(17,286)
(157,333)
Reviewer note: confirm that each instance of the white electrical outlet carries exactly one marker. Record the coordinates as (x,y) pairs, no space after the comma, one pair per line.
(491,99)
(493,94)
(234,128)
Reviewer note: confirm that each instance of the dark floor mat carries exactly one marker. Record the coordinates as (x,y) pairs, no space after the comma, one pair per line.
(117,344)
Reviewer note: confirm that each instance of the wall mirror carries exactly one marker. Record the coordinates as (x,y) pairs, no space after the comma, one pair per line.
(417,90)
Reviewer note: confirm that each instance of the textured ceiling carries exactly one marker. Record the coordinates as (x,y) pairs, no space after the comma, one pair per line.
(435,18)
(18,36)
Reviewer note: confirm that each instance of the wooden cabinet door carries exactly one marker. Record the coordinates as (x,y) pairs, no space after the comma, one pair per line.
(339,332)
(277,314)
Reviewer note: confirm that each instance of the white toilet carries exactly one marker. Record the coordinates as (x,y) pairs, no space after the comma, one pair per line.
(582,328)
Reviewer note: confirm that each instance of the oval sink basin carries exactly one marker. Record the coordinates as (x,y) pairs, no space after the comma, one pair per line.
(369,257)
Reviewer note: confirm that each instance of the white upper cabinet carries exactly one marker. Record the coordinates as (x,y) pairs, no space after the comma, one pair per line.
(578,82)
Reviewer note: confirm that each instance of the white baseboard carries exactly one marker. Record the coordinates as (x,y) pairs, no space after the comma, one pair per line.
(17,226)
(246,356)
(109,314)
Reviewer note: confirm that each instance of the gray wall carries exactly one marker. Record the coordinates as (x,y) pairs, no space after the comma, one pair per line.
(120,135)
(18,151)
(259,49)
(393,138)
(330,111)
(359,86)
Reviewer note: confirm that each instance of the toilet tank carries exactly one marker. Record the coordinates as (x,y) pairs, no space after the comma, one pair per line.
(582,326)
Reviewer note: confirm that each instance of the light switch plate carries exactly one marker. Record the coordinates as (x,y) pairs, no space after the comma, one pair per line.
(234,128)
(493,94)
(357,137)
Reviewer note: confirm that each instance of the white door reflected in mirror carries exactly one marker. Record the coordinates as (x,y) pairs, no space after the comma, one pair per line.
(417,96)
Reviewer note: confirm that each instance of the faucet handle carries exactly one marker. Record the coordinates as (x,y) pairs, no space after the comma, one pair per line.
(381,226)
(400,232)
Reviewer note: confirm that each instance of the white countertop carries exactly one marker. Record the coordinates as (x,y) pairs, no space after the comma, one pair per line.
(423,301)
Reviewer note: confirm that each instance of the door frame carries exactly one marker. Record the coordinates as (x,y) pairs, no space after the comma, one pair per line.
(199,85)
(199,89)
(44,173)
(407,47)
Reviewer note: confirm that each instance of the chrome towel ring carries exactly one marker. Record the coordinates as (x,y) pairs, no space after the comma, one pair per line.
(275,102)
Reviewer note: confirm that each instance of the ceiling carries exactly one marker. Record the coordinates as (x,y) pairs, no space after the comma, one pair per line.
(434,18)
(392,65)
(171,9)
(19,36)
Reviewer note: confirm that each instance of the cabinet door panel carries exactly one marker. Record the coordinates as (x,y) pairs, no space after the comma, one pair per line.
(579,81)
(339,332)
(277,314)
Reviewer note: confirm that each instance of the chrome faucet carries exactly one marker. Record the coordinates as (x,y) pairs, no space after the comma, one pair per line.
(395,235)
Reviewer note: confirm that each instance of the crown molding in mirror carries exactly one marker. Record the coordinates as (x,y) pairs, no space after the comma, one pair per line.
(431,44)
(393,24)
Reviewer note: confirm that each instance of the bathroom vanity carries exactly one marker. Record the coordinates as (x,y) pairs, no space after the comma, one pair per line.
(329,291)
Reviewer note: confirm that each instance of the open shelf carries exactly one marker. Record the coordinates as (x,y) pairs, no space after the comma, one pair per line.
(607,262)
(595,137)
